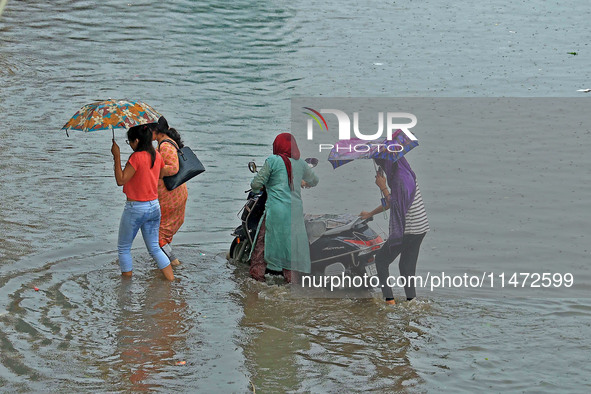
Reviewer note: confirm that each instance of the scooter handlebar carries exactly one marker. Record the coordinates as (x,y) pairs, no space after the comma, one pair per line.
(364,221)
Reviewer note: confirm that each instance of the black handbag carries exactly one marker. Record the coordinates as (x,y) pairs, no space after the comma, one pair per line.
(189,166)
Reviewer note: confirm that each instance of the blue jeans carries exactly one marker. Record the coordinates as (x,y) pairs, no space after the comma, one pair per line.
(136,215)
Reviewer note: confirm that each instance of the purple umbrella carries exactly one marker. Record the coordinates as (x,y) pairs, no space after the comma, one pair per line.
(345,151)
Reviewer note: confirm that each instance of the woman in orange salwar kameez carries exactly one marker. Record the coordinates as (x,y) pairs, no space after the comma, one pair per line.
(172,202)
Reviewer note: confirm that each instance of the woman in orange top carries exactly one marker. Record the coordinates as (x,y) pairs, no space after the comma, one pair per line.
(142,210)
(172,202)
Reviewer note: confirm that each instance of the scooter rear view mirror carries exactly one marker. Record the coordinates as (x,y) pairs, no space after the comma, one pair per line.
(312,162)
(252,166)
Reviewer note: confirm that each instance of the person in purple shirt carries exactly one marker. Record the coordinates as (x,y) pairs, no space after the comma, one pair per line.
(408,223)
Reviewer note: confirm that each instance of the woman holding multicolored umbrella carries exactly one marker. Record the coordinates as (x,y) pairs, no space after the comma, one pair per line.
(142,209)
(140,176)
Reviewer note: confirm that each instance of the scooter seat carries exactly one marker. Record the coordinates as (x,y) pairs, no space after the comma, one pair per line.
(327,224)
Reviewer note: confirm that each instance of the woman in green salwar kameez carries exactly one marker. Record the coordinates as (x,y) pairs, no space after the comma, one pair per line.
(281,243)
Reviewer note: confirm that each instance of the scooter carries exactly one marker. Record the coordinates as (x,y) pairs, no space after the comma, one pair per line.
(340,244)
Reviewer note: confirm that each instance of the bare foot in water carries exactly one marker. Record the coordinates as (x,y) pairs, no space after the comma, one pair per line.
(167,271)
(175,262)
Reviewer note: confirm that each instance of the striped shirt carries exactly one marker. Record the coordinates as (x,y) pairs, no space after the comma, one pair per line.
(416,217)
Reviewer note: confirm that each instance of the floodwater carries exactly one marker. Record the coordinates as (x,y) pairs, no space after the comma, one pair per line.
(223,73)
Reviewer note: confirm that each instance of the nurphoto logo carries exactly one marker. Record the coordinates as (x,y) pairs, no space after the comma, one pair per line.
(344,128)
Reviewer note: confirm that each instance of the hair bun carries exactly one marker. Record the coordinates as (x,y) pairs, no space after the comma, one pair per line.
(162,124)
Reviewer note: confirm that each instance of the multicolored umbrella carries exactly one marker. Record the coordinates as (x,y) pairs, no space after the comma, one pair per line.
(110,114)
(346,151)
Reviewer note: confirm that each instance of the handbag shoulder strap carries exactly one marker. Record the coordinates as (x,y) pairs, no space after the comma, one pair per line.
(178,151)
(171,142)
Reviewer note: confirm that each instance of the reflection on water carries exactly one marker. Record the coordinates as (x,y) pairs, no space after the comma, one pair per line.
(151,327)
(359,344)
(89,327)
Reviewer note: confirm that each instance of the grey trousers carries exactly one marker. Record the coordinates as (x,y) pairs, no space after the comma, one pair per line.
(167,249)
(409,254)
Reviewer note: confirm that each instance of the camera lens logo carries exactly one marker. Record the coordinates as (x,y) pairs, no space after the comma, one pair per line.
(315,116)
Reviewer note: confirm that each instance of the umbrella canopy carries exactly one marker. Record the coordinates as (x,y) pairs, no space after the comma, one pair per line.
(346,151)
(110,114)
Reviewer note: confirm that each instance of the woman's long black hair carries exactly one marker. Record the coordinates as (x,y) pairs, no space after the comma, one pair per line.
(169,131)
(142,133)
